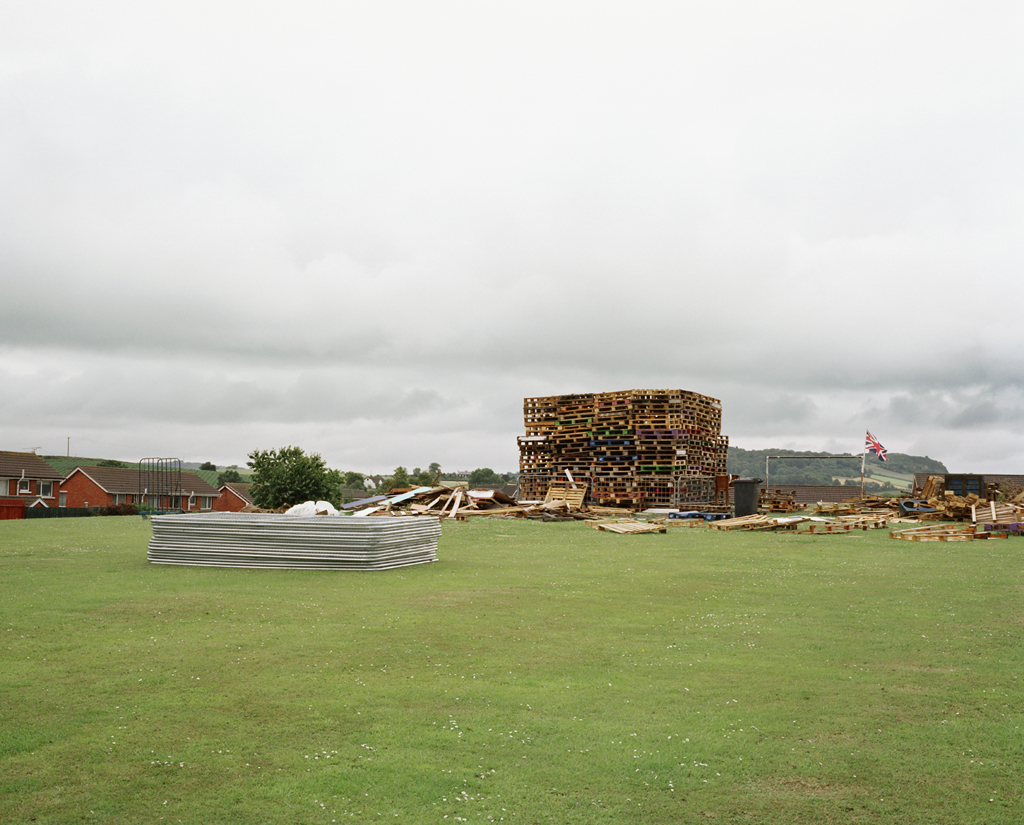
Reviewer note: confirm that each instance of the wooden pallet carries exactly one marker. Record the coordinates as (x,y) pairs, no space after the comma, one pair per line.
(996,513)
(627,525)
(571,494)
(847,526)
(754,522)
(848,523)
(943,533)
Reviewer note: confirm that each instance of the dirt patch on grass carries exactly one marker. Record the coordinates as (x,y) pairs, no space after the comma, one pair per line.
(804,786)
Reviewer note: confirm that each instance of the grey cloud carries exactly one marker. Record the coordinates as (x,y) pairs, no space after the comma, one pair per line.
(379,232)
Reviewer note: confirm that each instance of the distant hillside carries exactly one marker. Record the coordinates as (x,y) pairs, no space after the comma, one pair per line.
(65,464)
(896,473)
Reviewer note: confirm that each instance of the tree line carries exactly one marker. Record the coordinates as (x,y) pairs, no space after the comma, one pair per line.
(289,476)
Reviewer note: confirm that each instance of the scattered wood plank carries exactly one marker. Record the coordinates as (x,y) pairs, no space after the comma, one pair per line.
(741,522)
(938,533)
(846,524)
(465,514)
(627,525)
(609,512)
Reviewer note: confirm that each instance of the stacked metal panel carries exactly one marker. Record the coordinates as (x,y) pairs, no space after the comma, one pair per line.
(293,542)
(651,448)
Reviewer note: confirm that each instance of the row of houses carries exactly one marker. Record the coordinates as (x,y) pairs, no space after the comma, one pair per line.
(26,481)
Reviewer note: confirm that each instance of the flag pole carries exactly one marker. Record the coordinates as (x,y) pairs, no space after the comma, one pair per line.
(863,456)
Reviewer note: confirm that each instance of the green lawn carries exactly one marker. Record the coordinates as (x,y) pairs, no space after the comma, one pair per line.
(536,673)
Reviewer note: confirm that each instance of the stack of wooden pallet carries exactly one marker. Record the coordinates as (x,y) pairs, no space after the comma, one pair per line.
(776,501)
(634,448)
(1005,518)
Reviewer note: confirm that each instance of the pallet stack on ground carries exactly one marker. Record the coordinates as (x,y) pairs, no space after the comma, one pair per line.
(634,448)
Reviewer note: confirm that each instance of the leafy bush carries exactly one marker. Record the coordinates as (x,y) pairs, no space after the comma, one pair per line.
(122,509)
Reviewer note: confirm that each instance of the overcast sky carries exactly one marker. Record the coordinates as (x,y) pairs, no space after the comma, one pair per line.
(370,229)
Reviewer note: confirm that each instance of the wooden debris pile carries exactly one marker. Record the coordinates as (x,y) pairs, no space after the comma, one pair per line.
(563,501)
(433,501)
(950,507)
(756,521)
(857,505)
(844,524)
(776,501)
(635,448)
(944,507)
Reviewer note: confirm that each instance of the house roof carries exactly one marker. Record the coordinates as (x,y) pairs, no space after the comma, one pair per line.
(239,488)
(12,465)
(126,480)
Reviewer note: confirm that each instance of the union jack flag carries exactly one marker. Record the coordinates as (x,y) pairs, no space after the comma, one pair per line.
(871,445)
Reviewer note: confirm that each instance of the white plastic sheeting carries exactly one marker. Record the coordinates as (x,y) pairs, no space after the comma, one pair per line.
(312,508)
(293,542)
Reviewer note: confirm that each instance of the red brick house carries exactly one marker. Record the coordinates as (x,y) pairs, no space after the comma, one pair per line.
(233,497)
(26,481)
(103,486)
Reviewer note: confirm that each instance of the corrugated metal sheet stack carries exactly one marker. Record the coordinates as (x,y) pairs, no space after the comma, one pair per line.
(649,448)
(295,542)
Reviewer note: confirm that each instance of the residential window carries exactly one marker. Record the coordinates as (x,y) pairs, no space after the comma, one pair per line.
(175,502)
(46,489)
(118,498)
(205,502)
(24,486)
(63,499)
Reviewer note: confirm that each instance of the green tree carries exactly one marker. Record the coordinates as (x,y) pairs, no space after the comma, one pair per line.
(399,479)
(228,477)
(354,481)
(288,476)
(208,465)
(483,475)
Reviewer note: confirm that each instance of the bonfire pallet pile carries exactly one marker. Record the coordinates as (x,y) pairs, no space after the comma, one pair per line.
(634,448)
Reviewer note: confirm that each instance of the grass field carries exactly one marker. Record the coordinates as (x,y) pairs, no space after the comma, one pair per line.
(537,673)
(903,481)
